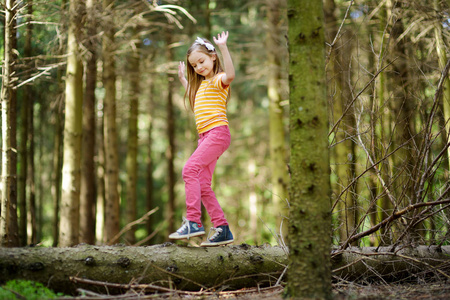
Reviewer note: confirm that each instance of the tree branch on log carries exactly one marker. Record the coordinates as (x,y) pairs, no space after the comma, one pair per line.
(131,224)
(395,215)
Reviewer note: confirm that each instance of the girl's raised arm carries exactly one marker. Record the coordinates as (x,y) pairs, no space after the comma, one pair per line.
(181,77)
(221,42)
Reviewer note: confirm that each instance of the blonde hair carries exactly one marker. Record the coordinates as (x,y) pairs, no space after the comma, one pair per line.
(194,79)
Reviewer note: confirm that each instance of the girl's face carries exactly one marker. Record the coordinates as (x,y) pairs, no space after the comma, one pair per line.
(202,63)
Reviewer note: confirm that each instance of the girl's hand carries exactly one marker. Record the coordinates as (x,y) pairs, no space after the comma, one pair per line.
(181,70)
(221,38)
(181,77)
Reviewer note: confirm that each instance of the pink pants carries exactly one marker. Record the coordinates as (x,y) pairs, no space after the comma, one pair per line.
(198,172)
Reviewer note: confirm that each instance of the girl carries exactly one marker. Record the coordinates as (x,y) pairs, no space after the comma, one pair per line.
(207,86)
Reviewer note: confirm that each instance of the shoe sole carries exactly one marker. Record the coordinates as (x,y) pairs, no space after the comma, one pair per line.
(216,244)
(182,237)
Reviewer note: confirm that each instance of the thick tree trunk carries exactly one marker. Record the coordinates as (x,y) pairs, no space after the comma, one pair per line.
(167,265)
(310,218)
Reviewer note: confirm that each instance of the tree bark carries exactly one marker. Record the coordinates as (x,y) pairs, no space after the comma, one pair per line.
(71,180)
(149,197)
(186,268)
(278,163)
(8,210)
(132,151)
(442,55)
(33,215)
(170,153)
(88,194)
(112,206)
(56,167)
(310,218)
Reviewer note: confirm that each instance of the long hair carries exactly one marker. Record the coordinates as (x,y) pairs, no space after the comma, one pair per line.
(194,79)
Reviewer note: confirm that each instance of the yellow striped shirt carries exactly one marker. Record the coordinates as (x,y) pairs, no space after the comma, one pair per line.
(210,107)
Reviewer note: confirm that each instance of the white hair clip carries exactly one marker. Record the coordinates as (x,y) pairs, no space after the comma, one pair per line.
(207,45)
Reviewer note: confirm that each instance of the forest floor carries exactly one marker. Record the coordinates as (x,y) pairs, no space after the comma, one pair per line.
(368,292)
(439,291)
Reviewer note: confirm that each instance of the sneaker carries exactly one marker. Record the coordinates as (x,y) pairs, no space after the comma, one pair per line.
(221,236)
(188,229)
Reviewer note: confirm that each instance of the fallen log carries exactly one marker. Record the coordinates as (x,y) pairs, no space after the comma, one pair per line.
(392,264)
(192,268)
(168,265)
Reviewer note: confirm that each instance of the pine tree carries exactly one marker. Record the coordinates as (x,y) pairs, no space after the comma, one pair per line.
(309,240)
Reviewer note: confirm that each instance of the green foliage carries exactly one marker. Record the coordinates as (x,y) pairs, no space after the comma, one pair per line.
(25,289)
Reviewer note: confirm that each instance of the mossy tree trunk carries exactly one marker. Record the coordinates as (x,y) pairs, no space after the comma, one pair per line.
(71,171)
(309,270)
(232,267)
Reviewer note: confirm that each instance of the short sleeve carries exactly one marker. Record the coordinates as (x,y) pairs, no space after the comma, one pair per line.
(218,82)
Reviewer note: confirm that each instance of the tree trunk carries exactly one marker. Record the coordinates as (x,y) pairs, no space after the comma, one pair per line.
(131,160)
(8,211)
(26,144)
(340,90)
(30,178)
(56,168)
(22,170)
(441,52)
(71,180)
(278,164)
(170,153)
(88,195)
(187,268)
(112,209)
(345,148)
(100,172)
(149,162)
(309,270)
(382,132)
(403,112)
